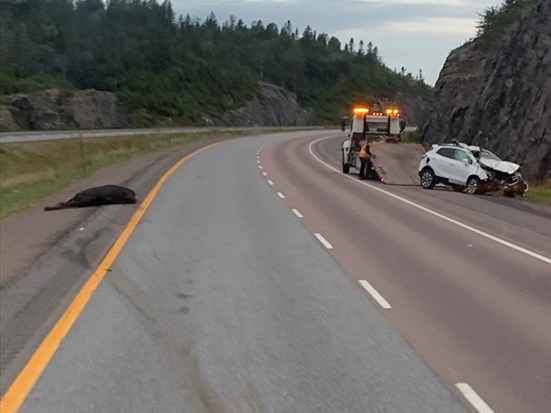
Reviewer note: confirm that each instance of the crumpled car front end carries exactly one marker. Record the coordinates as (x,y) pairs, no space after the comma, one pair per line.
(503,176)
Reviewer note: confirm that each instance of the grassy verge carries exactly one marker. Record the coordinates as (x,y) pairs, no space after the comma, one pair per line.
(32,171)
(539,192)
(409,137)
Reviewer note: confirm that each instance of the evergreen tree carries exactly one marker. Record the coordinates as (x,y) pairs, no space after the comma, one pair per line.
(164,66)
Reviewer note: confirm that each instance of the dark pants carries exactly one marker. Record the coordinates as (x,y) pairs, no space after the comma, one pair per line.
(365,166)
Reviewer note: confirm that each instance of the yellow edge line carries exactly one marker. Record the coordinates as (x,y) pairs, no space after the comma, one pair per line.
(26,379)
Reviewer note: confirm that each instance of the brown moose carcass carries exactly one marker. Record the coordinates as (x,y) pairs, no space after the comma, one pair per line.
(99,195)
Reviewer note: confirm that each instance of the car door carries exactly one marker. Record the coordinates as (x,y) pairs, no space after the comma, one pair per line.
(443,163)
(463,164)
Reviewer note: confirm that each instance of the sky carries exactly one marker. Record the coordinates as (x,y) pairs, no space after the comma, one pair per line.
(414,34)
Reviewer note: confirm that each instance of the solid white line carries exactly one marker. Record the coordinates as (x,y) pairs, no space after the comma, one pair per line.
(469,393)
(270,183)
(434,213)
(324,242)
(375,294)
(264,173)
(279,194)
(297,213)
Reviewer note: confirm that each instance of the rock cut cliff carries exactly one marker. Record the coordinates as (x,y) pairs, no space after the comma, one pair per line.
(271,106)
(54,109)
(500,96)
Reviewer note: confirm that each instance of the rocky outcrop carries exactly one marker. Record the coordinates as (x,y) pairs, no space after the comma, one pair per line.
(414,109)
(56,109)
(500,97)
(272,106)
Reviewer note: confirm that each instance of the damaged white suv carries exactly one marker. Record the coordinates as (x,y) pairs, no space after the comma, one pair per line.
(470,169)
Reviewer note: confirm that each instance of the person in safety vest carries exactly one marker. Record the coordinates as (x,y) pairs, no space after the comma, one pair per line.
(365,161)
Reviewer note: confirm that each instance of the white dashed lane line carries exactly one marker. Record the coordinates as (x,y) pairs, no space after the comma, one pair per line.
(323,241)
(279,194)
(264,173)
(270,183)
(473,398)
(375,294)
(297,213)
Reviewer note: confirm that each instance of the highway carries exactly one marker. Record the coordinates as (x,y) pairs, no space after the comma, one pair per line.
(40,136)
(261,279)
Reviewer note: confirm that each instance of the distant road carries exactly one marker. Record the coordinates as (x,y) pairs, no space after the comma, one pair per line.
(34,136)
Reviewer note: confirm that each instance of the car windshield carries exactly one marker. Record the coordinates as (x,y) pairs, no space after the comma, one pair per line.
(489,155)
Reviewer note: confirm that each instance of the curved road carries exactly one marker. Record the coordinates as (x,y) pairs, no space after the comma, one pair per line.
(249,286)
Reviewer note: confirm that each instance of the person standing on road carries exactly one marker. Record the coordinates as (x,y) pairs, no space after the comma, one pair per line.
(365,155)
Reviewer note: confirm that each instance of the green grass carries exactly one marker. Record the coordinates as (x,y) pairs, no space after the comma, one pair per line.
(30,172)
(409,137)
(539,193)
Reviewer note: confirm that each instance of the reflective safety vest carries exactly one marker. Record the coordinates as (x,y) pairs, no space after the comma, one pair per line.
(364,152)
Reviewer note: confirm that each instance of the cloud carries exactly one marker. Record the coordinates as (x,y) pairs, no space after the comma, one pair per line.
(419,2)
(436,25)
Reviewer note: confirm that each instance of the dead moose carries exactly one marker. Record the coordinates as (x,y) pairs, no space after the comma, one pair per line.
(99,195)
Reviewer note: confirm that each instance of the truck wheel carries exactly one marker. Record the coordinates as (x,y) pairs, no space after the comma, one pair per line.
(427,179)
(473,185)
(345,166)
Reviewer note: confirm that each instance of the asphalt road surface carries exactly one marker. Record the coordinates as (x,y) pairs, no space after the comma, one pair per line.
(34,136)
(249,286)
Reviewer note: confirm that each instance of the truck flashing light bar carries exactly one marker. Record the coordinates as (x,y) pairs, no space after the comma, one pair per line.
(360,111)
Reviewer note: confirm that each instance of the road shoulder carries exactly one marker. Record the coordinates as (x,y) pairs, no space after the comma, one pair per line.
(46,257)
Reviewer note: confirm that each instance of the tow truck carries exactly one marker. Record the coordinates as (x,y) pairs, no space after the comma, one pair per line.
(366,126)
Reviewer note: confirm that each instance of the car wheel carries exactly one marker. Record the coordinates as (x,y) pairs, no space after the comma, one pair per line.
(473,185)
(458,188)
(427,179)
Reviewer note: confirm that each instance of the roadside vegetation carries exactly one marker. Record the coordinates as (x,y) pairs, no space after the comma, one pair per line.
(164,66)
(496,19)
(539,192)
(410,137)
(30,172)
